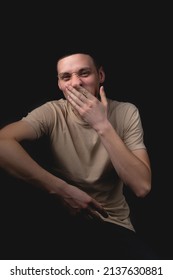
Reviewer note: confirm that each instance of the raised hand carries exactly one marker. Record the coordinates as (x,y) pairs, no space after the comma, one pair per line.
(93,111)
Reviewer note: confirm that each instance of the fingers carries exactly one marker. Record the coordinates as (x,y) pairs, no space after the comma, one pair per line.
(97,207)
(90,212)
(76,98)
(79,95)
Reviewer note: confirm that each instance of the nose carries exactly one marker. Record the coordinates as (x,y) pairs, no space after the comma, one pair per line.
(75,80)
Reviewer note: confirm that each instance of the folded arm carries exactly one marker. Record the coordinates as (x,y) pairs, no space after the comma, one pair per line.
(17,162)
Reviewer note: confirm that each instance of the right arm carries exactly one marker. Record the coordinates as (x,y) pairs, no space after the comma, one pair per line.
(16,161)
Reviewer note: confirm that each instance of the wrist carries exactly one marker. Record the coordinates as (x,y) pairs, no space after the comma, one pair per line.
(103,127)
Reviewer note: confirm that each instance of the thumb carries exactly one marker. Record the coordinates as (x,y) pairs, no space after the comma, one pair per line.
(103,96)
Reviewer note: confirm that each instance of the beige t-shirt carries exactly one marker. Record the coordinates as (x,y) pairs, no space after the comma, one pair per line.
(80,157)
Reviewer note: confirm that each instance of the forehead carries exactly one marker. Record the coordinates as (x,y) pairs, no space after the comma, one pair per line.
(74,62)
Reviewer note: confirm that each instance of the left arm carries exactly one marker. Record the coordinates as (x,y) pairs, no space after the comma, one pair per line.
(133,167)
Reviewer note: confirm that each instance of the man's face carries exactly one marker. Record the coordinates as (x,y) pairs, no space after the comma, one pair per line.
(79,70)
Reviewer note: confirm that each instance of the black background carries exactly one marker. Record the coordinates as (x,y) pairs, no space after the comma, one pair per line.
(134,43)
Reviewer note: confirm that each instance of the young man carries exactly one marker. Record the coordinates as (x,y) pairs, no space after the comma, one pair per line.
(97,146)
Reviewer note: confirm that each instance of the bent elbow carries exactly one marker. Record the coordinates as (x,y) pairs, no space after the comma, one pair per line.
(143,191)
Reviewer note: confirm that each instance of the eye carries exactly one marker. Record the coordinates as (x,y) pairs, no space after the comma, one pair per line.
(65,77)
(84,73)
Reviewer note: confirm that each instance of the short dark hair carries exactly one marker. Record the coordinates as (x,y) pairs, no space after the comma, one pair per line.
(95,56)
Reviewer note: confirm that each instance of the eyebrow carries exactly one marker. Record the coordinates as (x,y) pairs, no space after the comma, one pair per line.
(81,69)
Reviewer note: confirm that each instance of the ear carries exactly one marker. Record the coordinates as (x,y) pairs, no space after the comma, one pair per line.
(101,75)
(59,84)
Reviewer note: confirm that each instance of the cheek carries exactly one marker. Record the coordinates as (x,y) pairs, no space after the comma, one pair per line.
(92,83)
(62,87)
(94,88)
(59,85)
